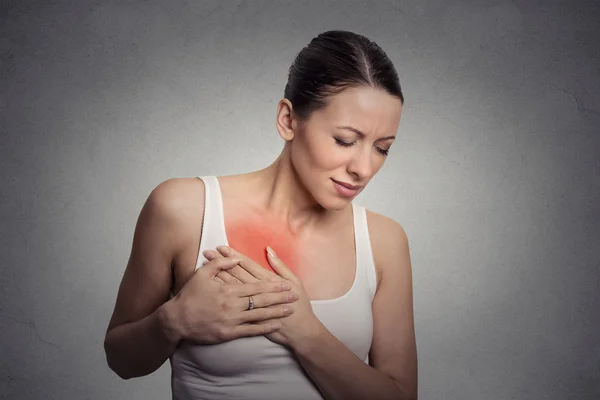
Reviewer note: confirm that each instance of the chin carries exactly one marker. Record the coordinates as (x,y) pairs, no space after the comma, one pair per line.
(338,204)
(330,200)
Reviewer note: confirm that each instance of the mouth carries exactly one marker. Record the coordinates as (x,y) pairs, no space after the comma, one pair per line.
(345,189)
(347,185)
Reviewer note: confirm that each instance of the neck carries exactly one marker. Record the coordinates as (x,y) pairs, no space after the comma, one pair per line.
(280,194)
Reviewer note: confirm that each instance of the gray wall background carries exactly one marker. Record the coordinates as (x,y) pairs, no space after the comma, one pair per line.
(495,175)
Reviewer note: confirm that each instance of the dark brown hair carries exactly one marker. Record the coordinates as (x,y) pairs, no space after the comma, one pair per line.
(333,61)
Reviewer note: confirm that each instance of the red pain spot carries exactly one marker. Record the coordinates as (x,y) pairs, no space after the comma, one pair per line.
(251,236)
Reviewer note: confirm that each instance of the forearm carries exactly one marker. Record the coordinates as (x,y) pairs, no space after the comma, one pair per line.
(140,348)
(341,375)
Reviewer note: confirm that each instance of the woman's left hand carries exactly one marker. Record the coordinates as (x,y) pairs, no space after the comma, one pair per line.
(296,328)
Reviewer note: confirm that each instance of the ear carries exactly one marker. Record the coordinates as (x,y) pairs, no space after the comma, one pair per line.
(286,122)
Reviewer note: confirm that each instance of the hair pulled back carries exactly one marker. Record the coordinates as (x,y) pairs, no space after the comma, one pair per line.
(333,61)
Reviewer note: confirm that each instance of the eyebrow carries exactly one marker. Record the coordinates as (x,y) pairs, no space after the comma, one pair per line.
(362,134)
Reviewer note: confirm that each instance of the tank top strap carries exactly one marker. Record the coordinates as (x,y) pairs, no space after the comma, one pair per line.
(213,224)
(364,252)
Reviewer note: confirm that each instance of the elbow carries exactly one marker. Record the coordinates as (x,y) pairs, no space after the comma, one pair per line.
(120,365)
(121,374)
(114,364)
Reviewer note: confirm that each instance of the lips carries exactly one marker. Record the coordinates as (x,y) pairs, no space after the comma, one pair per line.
(347,185)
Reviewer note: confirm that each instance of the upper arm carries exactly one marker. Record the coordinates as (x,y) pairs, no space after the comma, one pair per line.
(157,238)
(393,350)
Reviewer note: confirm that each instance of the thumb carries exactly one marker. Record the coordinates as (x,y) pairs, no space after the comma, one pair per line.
(278,265)
(216,265)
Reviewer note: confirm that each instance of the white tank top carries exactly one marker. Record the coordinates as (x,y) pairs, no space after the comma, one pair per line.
(254,367)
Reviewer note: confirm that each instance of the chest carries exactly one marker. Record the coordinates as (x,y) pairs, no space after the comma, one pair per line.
(325,261)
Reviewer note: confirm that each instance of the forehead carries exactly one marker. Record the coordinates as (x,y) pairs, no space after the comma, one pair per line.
(367,109)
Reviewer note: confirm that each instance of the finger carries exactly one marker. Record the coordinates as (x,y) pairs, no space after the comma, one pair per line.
(255,329)
(226,277)
(248,264)
(261,300)
(253,289)
(213,267)
(264,314)
(239,274)
(264,300)
(209,254)
(279,266)
(242,275)
(267,300)
(216,278)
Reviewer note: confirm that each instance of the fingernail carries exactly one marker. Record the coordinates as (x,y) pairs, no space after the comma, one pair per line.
(285,286)
(271,252)
(223,249)
(208,254)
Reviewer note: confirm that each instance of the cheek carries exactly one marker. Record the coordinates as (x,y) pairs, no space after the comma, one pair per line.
(377,165)
(315,160)
(327,156)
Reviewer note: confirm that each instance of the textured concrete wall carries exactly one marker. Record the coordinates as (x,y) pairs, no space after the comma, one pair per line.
(495,174)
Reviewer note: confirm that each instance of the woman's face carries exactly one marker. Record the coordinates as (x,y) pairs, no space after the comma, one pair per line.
(330,147)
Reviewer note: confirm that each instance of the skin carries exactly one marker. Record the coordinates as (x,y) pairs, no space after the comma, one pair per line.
(293,206)
(295,213)
(296,197)
(250,235)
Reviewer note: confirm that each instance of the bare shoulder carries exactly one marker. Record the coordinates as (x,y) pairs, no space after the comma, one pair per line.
(181,202)
(174,193)
(389,242)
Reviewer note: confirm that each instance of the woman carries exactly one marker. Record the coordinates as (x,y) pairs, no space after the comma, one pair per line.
(330,315)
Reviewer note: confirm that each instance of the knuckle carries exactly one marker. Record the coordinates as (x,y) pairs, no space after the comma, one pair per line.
(263,314)
(221,274)
(237,270)
(236,276)
(265,328)
(223,333)
(270,299)
(228,320)
(226,290)
(221,303)
(279,312)
(265,300)
(231,274)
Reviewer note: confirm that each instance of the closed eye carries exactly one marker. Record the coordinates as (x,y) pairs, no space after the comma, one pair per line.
(342,143)
(346,144)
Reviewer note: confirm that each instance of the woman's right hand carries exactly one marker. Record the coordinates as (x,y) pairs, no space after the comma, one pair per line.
(206,311)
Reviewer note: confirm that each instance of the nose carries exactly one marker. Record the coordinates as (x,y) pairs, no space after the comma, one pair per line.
(361,164)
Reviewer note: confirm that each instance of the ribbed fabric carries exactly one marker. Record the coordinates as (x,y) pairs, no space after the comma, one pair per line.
(255,368)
